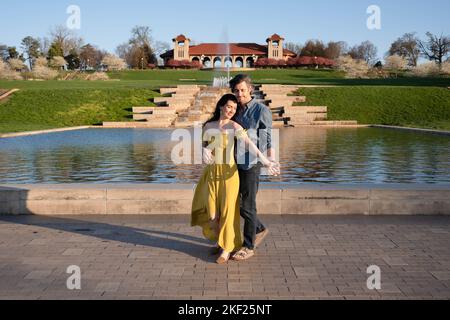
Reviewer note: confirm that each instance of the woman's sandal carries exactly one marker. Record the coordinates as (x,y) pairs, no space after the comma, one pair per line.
(223,260)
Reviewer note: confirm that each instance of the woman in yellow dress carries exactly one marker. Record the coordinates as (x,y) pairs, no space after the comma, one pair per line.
(216,206)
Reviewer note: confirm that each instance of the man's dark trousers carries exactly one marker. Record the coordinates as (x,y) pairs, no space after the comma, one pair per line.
(249,186)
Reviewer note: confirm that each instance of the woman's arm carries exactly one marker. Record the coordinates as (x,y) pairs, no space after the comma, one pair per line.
(252,147)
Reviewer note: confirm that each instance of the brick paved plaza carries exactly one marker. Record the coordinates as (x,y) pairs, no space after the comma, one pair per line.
(162,257)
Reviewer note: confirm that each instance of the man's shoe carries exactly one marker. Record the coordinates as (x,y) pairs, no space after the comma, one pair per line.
(260,237)
(243,254)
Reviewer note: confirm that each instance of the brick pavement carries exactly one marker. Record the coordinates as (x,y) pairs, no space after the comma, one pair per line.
(162,257)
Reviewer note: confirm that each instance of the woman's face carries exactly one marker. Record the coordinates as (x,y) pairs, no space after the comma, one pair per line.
(229,110)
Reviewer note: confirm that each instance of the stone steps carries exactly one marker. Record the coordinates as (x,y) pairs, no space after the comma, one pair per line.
(155,110)
(335,123)
(152,117)
(8,93)
(182,89)
(173,101)
(305,110)
(193,105)
(138,125)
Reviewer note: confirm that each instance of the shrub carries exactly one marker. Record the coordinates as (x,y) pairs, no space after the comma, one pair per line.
(445,68)
(114,63)
(58,62)
(41,61)
(44,73)
(7,74)
(97,76)
(304,61)
(426,69)
(16,64)
(352,67)
(262,63)
(185,64)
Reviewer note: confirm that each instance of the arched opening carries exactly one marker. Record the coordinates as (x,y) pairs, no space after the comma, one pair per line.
(239,63)
(207,63)
(250,62)
(195,59)
(217,62)
(228,63)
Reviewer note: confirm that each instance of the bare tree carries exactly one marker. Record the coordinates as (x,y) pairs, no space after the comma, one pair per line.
(45,44)
(366,51)
(66,39)
(407,47)
(161,47)
(141,35)
(313,48)
(436,48)
(294,47)
(336,49)
(90,56)
(138,52)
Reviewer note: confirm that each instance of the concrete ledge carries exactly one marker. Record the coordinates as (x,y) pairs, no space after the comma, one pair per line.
(7,94)
(274,199)
(32,133)
(440,132)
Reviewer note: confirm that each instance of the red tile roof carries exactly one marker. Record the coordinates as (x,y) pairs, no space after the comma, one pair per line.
(275,37)
(181,37)
(221,49)
(233,49)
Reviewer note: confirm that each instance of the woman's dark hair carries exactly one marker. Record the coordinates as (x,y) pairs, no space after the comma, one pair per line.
(222,102)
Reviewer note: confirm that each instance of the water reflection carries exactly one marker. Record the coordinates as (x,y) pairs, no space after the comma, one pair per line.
(325,155)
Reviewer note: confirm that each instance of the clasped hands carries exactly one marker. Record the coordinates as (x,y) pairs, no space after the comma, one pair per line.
(272,165)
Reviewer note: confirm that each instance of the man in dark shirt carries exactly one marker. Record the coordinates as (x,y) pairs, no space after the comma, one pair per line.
(256,118)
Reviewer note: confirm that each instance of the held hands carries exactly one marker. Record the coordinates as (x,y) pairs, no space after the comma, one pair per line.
(207,156)
(273,167)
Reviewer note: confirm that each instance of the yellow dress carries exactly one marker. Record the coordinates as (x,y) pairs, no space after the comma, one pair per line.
(217,193)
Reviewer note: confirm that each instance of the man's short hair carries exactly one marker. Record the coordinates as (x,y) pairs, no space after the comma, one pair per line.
(239,79)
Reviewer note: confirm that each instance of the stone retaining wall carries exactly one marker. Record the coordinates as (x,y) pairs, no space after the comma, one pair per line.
(87,199)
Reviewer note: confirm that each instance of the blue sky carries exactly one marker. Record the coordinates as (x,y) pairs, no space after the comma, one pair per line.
(108,23)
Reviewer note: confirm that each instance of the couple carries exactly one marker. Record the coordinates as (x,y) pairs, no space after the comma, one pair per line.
(227,190)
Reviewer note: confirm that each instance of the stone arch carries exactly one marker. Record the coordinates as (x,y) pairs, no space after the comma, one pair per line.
(249,62)
(228,62)
(207,63)
(217,62)
(239,62)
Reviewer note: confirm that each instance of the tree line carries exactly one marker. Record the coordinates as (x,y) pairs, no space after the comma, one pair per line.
(434,47)
(63,45)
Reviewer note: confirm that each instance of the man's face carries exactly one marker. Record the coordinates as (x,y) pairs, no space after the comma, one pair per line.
(242,93)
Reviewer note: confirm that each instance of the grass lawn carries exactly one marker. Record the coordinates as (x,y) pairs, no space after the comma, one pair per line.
(53,104)
(39,109)
(283,76)
(424,107)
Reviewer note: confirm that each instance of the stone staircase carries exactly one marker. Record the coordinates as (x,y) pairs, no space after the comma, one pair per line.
(280,100)
(201,109)
(186,106)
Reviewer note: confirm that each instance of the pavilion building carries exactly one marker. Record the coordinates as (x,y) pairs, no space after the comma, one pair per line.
(223,55)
